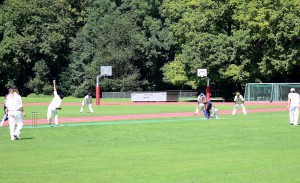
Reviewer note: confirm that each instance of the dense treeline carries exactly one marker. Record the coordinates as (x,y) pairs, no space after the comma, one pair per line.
(151,44)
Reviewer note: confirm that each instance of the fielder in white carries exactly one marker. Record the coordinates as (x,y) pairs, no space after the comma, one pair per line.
(293,106)
(87,100)
(15,110)
(239,101)
(54,106)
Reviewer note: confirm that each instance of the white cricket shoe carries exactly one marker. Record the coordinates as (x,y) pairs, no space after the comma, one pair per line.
(17,137)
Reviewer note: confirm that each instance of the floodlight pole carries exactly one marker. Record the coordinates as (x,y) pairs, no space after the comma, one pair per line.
(98,89)
(207,89)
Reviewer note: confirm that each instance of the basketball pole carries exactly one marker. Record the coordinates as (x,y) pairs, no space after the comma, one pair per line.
(207,89)
(97,91)
(203,73)
(97,95)
(105,71)
(98,88)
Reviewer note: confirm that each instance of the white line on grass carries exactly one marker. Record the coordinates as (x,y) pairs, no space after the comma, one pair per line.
(127,122)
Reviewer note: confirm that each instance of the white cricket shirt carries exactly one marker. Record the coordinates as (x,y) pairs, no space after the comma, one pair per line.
(14,102)
(239,100)
(294,97)
(56,101)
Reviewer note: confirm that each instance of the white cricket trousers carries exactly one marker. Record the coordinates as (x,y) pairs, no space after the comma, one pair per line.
(90,107)
(15,118)
(294,114)
(49,115)
(236,107)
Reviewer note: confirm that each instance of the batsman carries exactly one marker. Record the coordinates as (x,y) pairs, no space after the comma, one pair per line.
(200,105)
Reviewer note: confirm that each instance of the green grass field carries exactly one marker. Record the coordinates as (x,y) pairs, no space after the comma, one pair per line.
(73,111)
(105,110)
(259,147)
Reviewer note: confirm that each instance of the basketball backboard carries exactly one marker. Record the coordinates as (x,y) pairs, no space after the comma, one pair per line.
(202,72)
(106,70)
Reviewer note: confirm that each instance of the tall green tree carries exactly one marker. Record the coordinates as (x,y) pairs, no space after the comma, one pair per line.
(159,46)
(35,31)
(208,37)
(274,28)
(130,36)
(109,38)
(237,41)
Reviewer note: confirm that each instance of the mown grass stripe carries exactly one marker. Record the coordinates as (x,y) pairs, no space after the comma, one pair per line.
(124,122)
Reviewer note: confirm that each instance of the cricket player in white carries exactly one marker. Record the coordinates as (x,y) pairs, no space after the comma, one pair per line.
(87,100)
(53,106)
(293,105)
(200,104)
(239,101)
(214,112)
(15,109)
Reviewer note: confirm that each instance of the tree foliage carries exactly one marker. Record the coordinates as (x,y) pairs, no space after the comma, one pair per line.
(275,28)
(158,43)
(35,31)
(127,36)
(237,41)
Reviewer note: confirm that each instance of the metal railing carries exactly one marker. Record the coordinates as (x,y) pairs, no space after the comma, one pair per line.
(116,94)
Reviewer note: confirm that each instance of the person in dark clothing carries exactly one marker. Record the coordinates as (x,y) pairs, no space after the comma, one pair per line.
(207,107)
(5,117)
